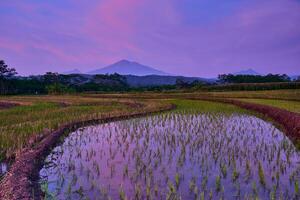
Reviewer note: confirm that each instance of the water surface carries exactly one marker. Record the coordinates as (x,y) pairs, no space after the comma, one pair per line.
(174,155)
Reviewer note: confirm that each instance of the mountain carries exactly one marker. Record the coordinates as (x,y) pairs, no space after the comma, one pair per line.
(247,72)
(74,71)
(125,67)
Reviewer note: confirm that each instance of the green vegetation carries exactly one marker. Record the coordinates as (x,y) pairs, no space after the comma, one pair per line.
(5,73)
(218,183)
(261,174)
(44,113)
(296,187)
(205,106)
(58,88)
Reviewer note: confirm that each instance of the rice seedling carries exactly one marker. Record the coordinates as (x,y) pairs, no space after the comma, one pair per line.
(192,184)
(210,194)
(224,170)
(296,188)
(254,188)
(261,174)
(177,180)
(218,183)
(202,196)
(235,174)
(122,194)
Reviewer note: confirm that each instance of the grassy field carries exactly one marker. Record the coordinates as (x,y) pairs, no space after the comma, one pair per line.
(44,113)
(293,95)
(205,107)
(284,99)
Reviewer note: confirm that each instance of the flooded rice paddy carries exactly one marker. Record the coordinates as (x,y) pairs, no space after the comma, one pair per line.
(176,155)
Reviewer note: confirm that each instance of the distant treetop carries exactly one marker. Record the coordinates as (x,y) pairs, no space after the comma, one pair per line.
(230,78)
(5,71)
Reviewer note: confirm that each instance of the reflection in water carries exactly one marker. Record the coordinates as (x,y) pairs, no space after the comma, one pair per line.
(209,156)
(3,168)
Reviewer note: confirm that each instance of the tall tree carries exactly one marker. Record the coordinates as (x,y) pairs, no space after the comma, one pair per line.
(51,77)
(5,72)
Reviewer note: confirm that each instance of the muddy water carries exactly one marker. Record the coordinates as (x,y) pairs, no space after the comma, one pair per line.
(174,155)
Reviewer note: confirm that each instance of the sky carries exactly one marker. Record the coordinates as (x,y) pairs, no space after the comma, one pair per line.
(191,37)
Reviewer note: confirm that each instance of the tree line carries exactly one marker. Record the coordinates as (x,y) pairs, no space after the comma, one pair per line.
(54,83)
(270,78)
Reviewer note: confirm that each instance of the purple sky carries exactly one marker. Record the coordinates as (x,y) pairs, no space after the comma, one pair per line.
(190,37)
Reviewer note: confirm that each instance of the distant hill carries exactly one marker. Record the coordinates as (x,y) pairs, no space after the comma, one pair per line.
(156,80)
(247,72)
(125,67)
(74,71)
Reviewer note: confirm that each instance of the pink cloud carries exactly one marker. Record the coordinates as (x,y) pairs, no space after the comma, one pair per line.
(11,45)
